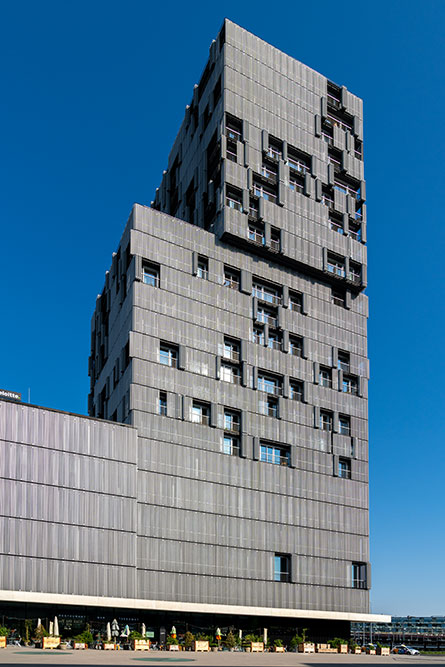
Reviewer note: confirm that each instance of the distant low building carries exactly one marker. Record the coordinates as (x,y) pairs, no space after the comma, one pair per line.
(419,631)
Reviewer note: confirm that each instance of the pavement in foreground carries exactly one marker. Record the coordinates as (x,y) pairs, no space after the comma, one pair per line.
(26,656)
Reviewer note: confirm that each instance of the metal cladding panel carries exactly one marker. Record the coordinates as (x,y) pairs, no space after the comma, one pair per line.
(209,523)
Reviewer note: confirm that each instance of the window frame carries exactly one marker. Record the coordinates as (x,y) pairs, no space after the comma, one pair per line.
(282,568)
(151,271)
(169,352)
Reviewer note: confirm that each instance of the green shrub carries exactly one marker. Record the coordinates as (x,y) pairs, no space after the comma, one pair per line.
(134,634)
(84,637)
(4,632)
(278,642)
(189,638)
(336,642)
(172,640)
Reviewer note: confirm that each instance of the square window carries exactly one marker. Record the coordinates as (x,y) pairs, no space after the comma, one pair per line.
(231,349)
(274,340)
(296,302)
(200,413)
(343,361)
(338,298)
(231,278)
(230,373)
(234,198)
(231,421)
(296,346)
(258,335)
(350,385)
(282,567)
(256,234)
(270,453)
(295,390)
(168,355)
(150,274)
(269,407)
(270,384)
(231,445)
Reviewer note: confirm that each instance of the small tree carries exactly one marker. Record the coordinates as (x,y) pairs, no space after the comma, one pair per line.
(28,629)
(295,641)
(4,632)
(230,640)
(39,633)
(189,638)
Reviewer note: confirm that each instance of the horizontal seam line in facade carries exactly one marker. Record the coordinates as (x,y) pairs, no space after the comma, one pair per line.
(66,488)
(69,524)
(67,451)
(256,414)
(248,488)
(233,546)
(211,451)
(247,317)
(66,560)
(267,581)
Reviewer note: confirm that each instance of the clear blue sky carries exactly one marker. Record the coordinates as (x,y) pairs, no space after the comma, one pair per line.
(93,94)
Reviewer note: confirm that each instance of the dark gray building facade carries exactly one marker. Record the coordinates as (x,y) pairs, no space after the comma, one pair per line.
(229,360)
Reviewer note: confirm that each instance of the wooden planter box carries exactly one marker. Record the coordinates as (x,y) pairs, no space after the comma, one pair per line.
(50,642)
(357,650)
(279,649)
(307,647)
(141,644)
(2,642)
(325,648)
(109,646)
(173,647)
(79,645)
(343,648)
(201,645)
(383,650)
(257,647)
(371,651)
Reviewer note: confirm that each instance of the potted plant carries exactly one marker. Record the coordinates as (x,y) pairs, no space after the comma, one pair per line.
(189,638)
(382,649)
(172,643)
(39,635)
(340,644)
(230,641)
(83,640)
(278,646)
(138,641)
(4,632)
(354,648)
(305,646)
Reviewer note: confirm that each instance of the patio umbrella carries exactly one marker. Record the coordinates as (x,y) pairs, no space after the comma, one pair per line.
(51,629)
(39,622)
(125,631)
(56,626)
(108,632)
(115,628)
(144,630)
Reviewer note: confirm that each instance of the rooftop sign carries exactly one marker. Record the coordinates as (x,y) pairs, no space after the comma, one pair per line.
(10,395)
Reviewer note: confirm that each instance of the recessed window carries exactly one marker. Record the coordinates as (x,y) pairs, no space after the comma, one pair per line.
(253,208)
(296,390)
(234,198)
(258,335)
(267,315)
(269,407)
(325,377)
(359,575)
(275,454)
(231,445)
(275,150)
(231,278)
(269,172)
(336,222)
(336,265)
(296,182)
(168,355)
(162,403)
(355,273)
(343,361)
(274,340)
(266,292)
(296,301)
(256,234)
(234,128)
(338,298)
(231,421)
(270,384)
(150,274)
(344,468)
(326,420)
(265,191)
(202,269)
(282,567)
(296,346)
(200,413)
(344,425)
(350,385)
(230,373)
(231,349)
(275,240)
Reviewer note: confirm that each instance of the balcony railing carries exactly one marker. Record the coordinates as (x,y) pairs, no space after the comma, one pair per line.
(296,165)
(276,390)
(274,344)
(233,355)
(200,419)
(274,153)
(253,213)
(267,319)
(233,203)
(232,134)
(327,201)
(269,174)
(333,101)
(336,270)
(328,139)
(275,245)
(266,296)
(231,427)
(355,278)
(257,237)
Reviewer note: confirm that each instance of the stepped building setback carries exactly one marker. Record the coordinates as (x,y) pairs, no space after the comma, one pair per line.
(222,476)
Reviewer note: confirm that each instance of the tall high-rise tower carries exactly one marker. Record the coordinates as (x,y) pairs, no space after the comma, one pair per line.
(231,332)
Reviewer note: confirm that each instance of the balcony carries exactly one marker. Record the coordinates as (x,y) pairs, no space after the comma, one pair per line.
(267,319)
(270,388)
(233,203)
(256,237)
(354,278)
(269,175)
(297,166)
(275,245)
(334,102)
(263,295)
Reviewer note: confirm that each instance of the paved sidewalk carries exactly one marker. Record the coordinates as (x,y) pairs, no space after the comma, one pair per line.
(31,656)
